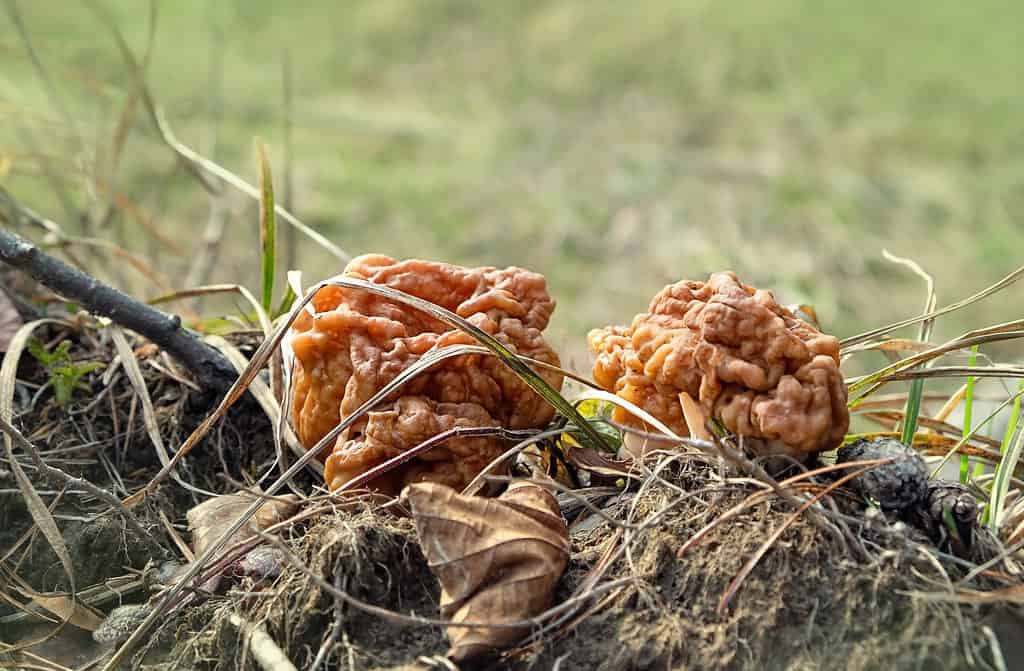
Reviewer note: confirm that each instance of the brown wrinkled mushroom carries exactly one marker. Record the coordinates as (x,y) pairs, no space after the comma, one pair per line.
(357,342)
(749,362)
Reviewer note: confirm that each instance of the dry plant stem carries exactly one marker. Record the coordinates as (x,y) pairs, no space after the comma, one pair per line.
(267,653)
(211,369)
(59,478)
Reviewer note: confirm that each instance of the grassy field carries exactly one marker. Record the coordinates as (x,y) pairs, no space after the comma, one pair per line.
(614,146)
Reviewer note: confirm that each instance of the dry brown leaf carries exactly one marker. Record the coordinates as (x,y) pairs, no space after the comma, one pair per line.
(498,560)
(74,612)
(62,605)
(10,321)
(209,519)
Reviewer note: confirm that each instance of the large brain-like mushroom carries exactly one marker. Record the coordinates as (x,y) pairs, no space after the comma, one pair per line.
(357,342)
(749,362)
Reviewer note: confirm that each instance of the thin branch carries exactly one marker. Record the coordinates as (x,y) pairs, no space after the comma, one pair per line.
(211,369)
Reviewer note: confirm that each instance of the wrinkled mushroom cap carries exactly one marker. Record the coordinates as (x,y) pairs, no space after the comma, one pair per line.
(355,342)
(749,362)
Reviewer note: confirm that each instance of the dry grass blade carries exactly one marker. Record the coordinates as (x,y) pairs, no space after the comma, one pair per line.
(139,264)
(633,409)
(149,419)
(955,371)
(73,612)
(211,289)
(913,407)
(37,508)
(963,342)
(10,320)
(984,293)
(127,116)
(950,405)
(890,345)
(124,205)
(30,660)
(51,91)
(458,432)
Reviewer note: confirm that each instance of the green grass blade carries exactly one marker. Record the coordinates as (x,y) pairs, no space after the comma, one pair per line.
(268,227)
(913,408)
(1014,415)
(968,405)
(1005,469)
(981,425)
(912,411)
(1007,437)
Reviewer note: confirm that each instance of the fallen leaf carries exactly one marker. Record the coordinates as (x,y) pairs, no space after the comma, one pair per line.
(61,605)
(596,462)
(10,321)
(209,519)
(498,560)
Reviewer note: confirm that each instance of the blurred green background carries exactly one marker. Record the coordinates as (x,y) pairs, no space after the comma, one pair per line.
(613,146)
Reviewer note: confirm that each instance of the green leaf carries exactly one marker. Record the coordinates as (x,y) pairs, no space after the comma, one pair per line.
(1011,451)
(63,388)
(65,374)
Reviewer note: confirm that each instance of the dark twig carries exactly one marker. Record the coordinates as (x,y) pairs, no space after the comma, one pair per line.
(212,370)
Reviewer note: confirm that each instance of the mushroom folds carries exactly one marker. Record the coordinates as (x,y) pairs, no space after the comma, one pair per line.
(751,364)
(353,343)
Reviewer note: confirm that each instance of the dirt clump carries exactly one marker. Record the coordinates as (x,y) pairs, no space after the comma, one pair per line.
(371,556)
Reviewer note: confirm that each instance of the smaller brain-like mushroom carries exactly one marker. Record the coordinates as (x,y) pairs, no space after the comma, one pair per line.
(748,361)
(355,342)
